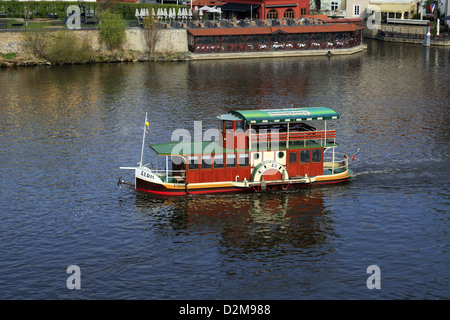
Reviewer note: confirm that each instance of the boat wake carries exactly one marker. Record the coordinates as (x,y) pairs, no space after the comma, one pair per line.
(377,172)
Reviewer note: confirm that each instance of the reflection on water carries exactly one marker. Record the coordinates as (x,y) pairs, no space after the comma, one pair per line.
(65,131)
(247,222)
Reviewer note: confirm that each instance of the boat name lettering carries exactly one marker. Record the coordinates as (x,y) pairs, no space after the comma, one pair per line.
(289,113)
(147,175)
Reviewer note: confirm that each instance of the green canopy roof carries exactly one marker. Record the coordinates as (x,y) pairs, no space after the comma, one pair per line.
(185,148)
(286,115)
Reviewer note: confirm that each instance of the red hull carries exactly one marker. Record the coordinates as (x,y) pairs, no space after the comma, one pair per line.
(156,189)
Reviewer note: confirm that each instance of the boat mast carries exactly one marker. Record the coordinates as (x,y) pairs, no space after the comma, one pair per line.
(146,124)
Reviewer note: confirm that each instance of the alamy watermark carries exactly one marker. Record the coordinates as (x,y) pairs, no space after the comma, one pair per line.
(374,19)
(374,280)
(231,139)
(74,17)
(74,280)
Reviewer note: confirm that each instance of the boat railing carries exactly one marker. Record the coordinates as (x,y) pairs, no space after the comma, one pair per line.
(294,136)
(175,176)
(336,162)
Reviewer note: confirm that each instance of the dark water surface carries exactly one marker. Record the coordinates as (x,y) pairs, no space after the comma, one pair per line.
(65,131)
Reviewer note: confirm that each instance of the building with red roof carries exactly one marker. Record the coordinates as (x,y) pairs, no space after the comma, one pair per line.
(266,9)
(333,36)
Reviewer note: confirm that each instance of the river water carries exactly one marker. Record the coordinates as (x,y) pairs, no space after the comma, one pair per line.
(65,131)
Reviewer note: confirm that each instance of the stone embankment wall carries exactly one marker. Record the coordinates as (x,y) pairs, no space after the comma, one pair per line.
(374,33)
(10,42)
(404,29)
(403,33)
(170,40)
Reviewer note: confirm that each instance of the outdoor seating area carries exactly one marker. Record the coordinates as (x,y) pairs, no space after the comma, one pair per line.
(264,39)
(225,23)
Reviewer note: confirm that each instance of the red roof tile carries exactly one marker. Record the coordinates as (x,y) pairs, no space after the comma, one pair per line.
(229,31)
(269,30)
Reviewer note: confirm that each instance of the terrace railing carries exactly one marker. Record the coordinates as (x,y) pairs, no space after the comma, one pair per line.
(293,136)
(297,138)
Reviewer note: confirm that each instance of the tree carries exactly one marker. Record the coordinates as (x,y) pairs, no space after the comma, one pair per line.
(68,47)
(151,33)
(436,13)
(36,41)
(112,29)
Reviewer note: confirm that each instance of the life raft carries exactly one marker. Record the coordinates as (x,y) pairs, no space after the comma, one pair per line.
(262,167)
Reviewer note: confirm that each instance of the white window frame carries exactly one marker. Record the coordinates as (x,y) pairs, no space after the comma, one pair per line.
(334,5)
(356,8)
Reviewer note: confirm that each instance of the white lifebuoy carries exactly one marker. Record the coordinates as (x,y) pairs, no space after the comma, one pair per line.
(262,167)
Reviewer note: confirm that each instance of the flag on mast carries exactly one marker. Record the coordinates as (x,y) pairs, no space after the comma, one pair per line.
(354,156)
(143,138)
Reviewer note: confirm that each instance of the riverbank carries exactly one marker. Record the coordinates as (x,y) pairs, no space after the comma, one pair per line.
(174,48)
(405,34)
(27,60)
(17,50)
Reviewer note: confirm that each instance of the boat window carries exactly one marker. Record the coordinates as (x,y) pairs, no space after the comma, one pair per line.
(240,125)
(243,159)
(317,155)
(228,125)
(178,164)
(193,162)
(292,157)
(218,161)
(231,160)
(304,156)
(206,162)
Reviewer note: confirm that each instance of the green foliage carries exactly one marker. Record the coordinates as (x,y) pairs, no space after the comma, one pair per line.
(40,9)
(36,9)
(9,56)
(68,47)
(112,29)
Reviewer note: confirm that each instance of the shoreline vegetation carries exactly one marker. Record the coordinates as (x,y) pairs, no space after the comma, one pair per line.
(29,60)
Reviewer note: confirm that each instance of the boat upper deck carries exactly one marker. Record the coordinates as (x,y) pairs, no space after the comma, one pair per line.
(252,130)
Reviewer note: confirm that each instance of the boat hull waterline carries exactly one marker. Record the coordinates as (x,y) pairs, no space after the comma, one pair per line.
(144,183)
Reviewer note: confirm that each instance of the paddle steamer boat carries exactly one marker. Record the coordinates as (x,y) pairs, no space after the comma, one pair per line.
(254,150)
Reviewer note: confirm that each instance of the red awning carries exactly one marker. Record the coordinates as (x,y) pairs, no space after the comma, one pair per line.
(344,27)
